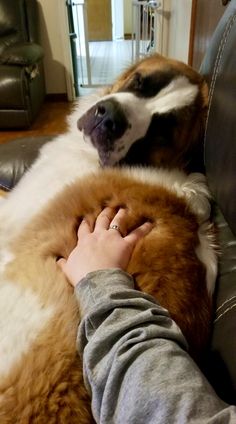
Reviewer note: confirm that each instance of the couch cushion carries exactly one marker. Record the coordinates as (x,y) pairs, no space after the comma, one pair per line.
(221,365)
(16,157)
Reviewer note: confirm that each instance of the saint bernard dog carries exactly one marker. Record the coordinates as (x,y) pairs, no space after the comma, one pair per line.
(130,148)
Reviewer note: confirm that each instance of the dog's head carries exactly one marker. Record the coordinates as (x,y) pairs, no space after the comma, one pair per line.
(153,114)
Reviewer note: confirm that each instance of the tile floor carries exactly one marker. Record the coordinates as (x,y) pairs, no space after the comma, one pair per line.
(108,59)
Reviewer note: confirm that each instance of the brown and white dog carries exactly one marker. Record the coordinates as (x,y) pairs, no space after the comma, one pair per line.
(40,373)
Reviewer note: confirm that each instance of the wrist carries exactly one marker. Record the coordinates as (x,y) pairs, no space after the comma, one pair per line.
(96,285)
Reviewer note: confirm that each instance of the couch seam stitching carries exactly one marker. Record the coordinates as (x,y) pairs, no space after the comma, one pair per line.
(216,66)
(225,312)
(226,301)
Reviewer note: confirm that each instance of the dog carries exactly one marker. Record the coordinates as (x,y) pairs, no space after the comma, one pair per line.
(41,374)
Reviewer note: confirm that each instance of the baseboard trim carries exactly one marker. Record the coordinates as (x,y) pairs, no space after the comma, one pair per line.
(127,36)
(57,97)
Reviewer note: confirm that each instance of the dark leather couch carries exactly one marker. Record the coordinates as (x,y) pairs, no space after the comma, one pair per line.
(219,68)
(22,88)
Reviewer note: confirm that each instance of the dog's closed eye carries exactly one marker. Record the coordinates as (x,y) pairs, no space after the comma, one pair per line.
(137,82)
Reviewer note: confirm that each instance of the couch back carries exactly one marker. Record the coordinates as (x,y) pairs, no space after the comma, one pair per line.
(219,69)
(18,22)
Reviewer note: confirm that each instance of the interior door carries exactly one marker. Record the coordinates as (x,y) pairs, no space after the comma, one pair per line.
(205,16)
(99,20)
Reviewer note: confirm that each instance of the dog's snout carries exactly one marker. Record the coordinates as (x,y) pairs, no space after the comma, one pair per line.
(104,122)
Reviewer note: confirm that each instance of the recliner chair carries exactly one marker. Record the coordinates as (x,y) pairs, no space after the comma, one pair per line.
(22,87)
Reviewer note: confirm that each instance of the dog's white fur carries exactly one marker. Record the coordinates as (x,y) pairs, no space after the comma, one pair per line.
(23,317)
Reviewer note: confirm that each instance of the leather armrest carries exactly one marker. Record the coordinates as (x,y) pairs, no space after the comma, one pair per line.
(23,54)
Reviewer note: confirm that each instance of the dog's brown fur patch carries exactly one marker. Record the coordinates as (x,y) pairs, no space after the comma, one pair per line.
(47,385)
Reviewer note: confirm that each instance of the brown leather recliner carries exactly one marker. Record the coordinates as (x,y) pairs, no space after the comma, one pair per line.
(219,69)
(22,87)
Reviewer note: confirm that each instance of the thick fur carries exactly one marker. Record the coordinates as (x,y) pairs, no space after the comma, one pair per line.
(40,372)
(45,382)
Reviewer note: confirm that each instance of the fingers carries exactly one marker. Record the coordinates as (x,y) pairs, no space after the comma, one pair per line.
(61,262)
(119,221)
(107,218)
(84,228)
(139,232)
(104,218)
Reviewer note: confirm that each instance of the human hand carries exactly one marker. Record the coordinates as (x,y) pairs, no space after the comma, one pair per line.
(103,247)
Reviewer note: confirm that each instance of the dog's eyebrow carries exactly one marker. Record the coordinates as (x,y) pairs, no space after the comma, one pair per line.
(179,93)
(151,84)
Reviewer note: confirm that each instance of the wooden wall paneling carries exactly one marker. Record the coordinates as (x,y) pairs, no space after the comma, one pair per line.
(204,19)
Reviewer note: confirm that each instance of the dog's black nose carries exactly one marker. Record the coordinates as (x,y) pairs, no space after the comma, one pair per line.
(107,113)
(110,118)
(104,122)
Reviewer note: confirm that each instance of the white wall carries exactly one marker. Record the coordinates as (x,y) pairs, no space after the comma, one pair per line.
(52,42)
(176,28)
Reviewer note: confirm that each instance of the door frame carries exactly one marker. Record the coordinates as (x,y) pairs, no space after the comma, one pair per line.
(117,19)
(66,49)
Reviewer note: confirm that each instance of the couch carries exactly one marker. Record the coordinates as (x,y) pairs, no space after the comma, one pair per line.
(219,69)
(22,87)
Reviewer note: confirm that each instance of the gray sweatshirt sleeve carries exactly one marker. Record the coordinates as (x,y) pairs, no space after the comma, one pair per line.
(135,362)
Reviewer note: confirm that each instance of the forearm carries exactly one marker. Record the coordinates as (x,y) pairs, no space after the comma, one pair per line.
(134,360)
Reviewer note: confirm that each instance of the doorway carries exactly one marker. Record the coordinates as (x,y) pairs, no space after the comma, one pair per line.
(99,20)
(100,51)
(107,36)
